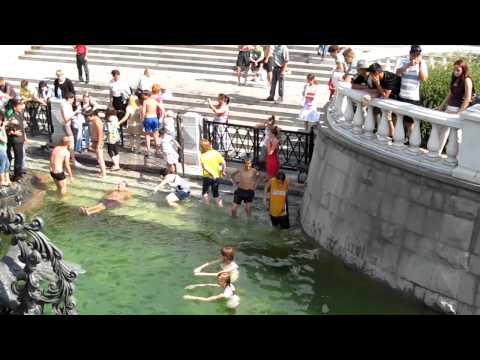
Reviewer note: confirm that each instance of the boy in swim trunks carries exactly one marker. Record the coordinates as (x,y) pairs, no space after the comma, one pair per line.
(112,200)
(59,163)
(150,120)
(182,189)
(249,178)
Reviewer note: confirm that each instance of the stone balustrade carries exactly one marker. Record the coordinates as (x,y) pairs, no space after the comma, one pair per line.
(350,114)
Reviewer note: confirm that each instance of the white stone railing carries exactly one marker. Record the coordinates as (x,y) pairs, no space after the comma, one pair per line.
(358,123)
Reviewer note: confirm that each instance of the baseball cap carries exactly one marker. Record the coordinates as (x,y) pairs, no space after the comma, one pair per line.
(415,49)
(362,64)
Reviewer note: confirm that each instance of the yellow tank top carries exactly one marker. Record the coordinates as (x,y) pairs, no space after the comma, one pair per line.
(278,195)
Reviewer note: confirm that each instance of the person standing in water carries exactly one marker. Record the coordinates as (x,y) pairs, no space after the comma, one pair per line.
(213,166)
(229,291)
(228,264)
(97,140)
(277,189)
(59,163)
(249,178)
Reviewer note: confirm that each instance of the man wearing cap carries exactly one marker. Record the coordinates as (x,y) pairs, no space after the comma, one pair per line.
(360,81)
(412,71)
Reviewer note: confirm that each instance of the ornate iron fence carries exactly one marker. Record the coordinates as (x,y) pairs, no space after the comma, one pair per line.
(38,118)
(238,142)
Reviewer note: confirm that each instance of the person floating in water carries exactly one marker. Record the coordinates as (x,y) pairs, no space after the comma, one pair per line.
(182,189)
(112,200)
(59,163)
(229,291)
(249,178)
(228,265)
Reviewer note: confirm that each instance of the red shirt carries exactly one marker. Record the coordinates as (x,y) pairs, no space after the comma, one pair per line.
(81,49)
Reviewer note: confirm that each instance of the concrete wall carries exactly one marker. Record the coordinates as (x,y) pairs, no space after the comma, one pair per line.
(400,225)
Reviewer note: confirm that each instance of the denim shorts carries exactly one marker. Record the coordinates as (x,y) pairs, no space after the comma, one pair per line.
(151,124)
(4,163)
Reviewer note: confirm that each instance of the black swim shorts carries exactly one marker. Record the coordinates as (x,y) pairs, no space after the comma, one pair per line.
(209,182)
(58,176)
(283,221)
(243,195)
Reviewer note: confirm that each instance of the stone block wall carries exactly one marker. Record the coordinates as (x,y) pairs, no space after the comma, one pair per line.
(405,227)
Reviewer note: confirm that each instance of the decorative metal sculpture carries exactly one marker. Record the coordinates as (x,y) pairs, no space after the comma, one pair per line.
(35,247)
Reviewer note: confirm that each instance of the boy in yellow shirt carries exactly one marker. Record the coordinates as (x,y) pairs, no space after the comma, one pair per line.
(214,166)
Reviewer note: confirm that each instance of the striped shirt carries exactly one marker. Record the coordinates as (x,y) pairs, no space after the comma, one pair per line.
(410,86)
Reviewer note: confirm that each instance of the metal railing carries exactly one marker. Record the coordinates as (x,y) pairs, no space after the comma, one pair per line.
(239,142)
(38,118)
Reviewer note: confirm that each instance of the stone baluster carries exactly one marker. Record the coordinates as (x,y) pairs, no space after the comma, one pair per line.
(399,134)
(339,100)
(348,113)
(415,137)
(358,118)
(369,123)
(433,144)
(452,147)
(382,132)
(387,64)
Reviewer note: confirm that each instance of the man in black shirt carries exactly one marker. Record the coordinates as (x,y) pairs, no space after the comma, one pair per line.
(16,137)
(62,85)
(386,83)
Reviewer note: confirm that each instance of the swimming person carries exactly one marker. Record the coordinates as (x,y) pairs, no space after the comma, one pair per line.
(182,189)
(228,264)
(249,178)
(112,200)
(59,163)
(229,291)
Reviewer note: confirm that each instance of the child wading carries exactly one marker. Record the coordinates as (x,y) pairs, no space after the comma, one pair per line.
(113,137)
(229,291)
(227,264)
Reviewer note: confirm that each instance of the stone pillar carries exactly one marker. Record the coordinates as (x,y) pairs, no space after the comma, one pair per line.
(468,160)
(57,121)
(192,123)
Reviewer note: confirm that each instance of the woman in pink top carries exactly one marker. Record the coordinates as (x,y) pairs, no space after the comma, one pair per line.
(309,111)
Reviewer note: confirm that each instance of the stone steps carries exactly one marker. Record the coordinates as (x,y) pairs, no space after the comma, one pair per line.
(204,59)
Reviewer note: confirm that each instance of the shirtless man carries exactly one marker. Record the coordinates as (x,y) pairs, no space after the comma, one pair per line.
(96,126)
(249,178)
(112,200)
(151,123)
(59,163)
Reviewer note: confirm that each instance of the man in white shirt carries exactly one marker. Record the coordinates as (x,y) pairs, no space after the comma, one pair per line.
(412,70)
(145,82)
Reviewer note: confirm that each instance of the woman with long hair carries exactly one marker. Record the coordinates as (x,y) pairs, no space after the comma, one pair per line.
(458,99)
(272,163)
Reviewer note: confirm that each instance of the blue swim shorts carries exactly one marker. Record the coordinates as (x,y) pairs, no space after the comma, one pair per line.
(151,124)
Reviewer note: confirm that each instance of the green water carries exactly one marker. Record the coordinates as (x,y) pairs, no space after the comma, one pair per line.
(139,258)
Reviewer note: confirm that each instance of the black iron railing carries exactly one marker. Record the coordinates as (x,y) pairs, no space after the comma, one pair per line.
(38,118)
(238,142)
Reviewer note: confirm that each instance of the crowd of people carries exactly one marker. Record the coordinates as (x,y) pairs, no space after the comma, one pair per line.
(403,84)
